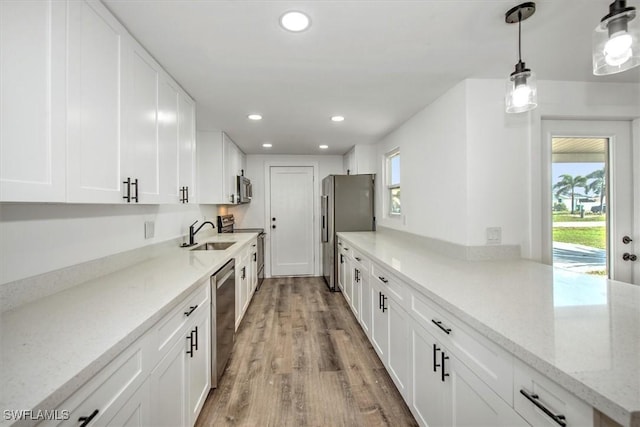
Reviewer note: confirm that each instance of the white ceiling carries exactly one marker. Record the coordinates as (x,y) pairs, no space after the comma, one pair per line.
(375,62)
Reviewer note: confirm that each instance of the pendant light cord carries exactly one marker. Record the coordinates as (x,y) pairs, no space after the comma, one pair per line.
(519,36)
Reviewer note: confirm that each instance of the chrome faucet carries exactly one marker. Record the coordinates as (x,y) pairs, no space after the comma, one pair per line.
(192,232)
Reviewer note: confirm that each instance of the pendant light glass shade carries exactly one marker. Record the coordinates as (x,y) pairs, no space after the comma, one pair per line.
(521,93)
(616,40)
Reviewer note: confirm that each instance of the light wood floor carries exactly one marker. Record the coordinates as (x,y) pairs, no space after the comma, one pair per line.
(301,359)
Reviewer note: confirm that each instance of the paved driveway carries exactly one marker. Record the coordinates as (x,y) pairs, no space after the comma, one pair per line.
(579,258)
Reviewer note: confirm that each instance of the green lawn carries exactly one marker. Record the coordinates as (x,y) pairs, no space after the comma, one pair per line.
(589,236)
(565,217)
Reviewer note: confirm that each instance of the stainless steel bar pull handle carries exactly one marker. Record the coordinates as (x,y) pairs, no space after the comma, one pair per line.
(534,398)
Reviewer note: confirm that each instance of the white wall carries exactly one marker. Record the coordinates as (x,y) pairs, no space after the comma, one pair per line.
(467,165)
(37,238)
(497,165)
(433,170)
(253,214)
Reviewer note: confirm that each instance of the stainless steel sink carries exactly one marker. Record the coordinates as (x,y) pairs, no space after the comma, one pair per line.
(213,246)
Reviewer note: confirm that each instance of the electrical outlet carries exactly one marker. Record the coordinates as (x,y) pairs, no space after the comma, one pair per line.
(149,229)
(494,235)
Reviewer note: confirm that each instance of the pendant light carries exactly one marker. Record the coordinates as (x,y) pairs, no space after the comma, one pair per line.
(521,94)
(616,40)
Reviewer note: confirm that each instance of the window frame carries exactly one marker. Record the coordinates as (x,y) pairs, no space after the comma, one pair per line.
(389,186)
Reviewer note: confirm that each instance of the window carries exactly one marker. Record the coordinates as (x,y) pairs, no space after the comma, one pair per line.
(393,182)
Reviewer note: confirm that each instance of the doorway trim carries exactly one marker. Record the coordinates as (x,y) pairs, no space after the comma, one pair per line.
(316,210)
(615,151)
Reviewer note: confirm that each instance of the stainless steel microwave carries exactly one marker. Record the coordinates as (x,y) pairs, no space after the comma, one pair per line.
(244,189)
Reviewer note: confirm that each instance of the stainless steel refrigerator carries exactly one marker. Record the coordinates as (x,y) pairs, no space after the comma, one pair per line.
(347,205)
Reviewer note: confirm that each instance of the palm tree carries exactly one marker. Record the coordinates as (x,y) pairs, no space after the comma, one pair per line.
(567,186)
(597,184)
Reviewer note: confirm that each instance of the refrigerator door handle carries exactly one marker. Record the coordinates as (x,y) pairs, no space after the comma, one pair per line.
(325,228)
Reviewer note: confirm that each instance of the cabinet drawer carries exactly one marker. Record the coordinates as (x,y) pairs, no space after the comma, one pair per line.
(361,260)
(169,328)
(346,247)
(389,283)
(111,388)
(488,361)
(549,395)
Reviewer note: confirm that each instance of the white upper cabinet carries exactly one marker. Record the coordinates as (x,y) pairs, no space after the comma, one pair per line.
(187,148)
(32,101)
(88,116)
(231,154)
(360,160)
(142,155)
(220,161)
(168,139)
(95,113)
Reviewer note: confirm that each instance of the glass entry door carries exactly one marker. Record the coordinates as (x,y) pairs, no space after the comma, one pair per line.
(589,197)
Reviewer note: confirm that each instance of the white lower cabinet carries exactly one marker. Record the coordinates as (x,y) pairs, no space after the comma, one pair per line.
(366,307)
(448,374)
(253,269)
(242,294)
(347,279)
(169,394)
(399,340)
(543,403)
(246,279)
(356,290)
(162,379)
(104,397)
(181,381)
(447,393)
(379,322)
(198,366)
(136,412)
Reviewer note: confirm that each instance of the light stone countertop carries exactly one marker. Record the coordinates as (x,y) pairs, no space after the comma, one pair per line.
(52,346)
(581,331)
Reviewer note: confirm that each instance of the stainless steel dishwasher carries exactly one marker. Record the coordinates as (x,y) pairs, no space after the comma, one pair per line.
(223,316)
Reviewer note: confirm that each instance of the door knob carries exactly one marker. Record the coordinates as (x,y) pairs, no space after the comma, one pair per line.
(626,240)
(629,257)
(273,226)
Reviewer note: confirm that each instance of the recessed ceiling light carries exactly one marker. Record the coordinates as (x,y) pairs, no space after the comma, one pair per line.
(323,147)
(267,145)
(295,21)
(254,117)
(337,118)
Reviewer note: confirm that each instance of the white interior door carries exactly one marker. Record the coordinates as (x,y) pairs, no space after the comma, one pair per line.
(619,194)
(291,220)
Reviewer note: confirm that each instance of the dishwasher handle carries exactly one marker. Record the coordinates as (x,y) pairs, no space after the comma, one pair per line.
(220,282)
